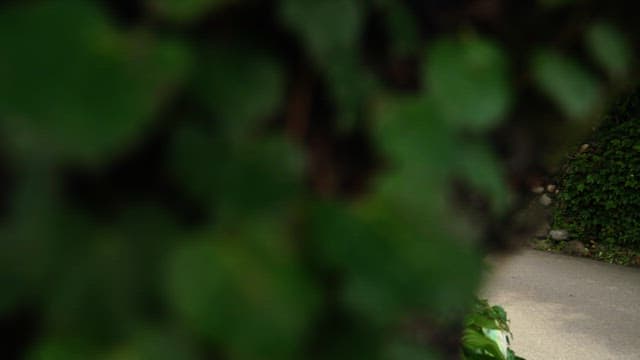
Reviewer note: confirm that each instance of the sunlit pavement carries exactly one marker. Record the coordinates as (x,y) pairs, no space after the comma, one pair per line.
(565,308)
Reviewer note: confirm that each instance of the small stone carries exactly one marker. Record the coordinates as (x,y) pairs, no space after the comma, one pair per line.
(584,147)
(545,200)
(537,189)
(551,188)
(575,247)
(559,234)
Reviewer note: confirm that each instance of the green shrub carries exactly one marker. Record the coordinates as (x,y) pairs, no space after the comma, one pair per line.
(599,195)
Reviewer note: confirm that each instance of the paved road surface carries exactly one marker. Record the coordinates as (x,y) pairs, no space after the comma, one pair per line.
(566,308)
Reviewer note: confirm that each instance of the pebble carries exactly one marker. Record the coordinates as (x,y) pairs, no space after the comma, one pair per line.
(545,200)
(559,234)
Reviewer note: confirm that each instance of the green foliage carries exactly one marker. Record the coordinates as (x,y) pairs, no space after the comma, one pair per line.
(574,89)
(469,82)
(610,48)
(486,334)
(327,27)
(95,96)
(254,180)
(600,191)
(227,77)
(607,252)
(330,31)
(243,291)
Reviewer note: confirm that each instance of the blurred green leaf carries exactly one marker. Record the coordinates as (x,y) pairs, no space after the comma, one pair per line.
(412,133)
(61,349)
(391,265)
(326,27)
(566,82)
(186,10)
(344,242)
(95,295)
(29,246)
(262,178)
(468,80)
(239,181)
(330,30)
(242,87)
(426,153)
(422,150)
(90,97)
(95,279)
(150,232)
(610,48)
(253,302)
(152,344)
(351,86)
(479,166)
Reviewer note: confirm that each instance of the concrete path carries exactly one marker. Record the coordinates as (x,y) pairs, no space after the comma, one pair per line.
(566,308)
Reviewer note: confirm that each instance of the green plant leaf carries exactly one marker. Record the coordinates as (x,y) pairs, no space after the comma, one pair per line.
(243,291)
(351,85)
(390,266)
(242,87)
(476,343)
(413,133)
(502,315)
(153,344)
(469,82)
(60,349)
(326,27)
(93,96)
(422,149)
(237,181)
(610,48)
(566,82)
(478,166)
(330,30)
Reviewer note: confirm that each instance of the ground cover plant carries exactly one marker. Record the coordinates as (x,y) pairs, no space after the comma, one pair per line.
(486,334)
(599,194)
